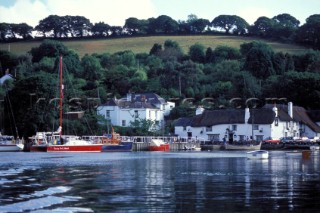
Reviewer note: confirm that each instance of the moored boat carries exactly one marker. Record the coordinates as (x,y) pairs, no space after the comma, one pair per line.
(258,154)
(8,144)
(113,143)
(49,142)
(192,147)
(243,146)
(158,145)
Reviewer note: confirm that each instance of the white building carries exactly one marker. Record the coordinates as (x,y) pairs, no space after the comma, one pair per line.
(145,106)
(269,122)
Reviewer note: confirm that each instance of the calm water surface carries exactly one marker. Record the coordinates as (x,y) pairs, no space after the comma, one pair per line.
(158,182)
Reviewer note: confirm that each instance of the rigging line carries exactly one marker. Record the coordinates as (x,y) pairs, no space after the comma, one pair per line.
(74,93)
(10,108)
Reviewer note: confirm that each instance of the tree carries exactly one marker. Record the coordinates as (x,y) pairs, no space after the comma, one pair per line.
(263,27)
(48,48)
(286,20)
(221,53)
(22,30)
(80,25)
(196,53)
(35,116)
(285,26)
(8,61)
(196,25)
(52,23)
(116,30)
(134,26)
(199,25)
(258,59)
(92,70)
(100,29)
(230,23)
(164,24)
(299,87)
(172,50)
(309,33)
(156,49)
(4,31)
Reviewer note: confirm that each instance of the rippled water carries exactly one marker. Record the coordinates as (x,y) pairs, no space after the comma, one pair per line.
(158,182)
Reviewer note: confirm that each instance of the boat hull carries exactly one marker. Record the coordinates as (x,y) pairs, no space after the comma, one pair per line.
(63,148)
(122,147)
(162,147)
(242,146)
(11,147)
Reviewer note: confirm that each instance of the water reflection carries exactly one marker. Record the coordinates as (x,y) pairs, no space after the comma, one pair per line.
(159,182)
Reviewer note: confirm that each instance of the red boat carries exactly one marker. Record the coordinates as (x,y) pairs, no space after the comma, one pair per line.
(158,145)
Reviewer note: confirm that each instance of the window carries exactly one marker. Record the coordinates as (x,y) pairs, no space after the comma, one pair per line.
(136,114)
(259,137)
(108,114)
(234,127)
(184,128)
(123,122)
(276,121)
(242,138)
(209,129)
(157,123)
(255,127)
(214,137)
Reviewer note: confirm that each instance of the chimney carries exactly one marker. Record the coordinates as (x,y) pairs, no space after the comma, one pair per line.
(290,109)
(275,109)
(246,115)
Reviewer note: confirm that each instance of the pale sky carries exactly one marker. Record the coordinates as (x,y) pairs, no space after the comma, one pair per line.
(115,12)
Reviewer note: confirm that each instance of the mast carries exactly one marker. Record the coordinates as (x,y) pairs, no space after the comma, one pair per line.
(61,95)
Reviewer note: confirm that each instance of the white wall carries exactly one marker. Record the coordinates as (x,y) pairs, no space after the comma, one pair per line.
(117,115)
(264,131)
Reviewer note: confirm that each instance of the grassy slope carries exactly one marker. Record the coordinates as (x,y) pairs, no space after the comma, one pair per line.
(144,44)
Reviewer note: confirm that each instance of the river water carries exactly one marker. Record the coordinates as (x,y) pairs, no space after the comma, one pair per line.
(218,181)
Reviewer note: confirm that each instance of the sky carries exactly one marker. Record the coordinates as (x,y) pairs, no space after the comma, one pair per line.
(115,12)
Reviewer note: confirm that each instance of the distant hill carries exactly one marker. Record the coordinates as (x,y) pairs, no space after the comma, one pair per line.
(144,44)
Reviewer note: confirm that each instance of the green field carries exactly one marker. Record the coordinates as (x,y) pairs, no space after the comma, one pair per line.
(144,44)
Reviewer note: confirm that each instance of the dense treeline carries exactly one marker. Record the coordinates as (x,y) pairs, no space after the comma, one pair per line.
(282,27)
(215,75)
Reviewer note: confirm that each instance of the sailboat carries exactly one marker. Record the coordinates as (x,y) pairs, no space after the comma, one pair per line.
(8,144)
(55,141)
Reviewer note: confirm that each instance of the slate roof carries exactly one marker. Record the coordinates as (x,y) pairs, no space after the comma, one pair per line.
(123,103)
(228,116)
(300,114)
(184,121)
(261,116)
(148,97)
(138,100)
